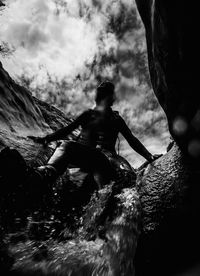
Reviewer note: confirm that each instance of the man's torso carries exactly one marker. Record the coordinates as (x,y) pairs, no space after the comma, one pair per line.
(100,129)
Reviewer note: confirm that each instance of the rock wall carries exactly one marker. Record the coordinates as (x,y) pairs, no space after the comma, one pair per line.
(21,115)
(173,52)
(18,111)
(172,42)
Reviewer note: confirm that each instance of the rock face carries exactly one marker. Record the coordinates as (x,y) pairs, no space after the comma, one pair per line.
(173,52)
(173,244)
(18,111)
(22,115)
(169,240)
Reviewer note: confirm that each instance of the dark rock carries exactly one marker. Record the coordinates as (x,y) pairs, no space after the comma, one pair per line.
(173,53)
(170,238)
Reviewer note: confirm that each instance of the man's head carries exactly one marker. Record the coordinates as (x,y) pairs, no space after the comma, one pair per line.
(105,93)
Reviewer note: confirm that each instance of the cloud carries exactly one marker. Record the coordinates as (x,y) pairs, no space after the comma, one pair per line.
(27,36)
(63,37)
(60,43)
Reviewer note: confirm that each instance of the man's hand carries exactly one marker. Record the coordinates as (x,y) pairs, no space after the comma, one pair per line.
(154,157)
(40,140)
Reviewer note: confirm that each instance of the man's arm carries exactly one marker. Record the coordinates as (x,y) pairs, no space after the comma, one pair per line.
(61,133)
(134,142)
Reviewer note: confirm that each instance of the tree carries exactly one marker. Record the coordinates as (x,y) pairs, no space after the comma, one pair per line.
(5,48)
(2,4)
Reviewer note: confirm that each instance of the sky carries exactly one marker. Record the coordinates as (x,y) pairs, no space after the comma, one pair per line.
(65,39)
(62,41)
(58,37)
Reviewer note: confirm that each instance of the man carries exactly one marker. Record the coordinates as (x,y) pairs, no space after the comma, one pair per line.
(100,128)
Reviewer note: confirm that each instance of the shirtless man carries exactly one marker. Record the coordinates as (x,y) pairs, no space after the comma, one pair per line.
(100,128)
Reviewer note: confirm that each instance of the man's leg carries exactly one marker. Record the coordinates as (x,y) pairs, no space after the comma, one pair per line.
(84,157)
(57,164)
(61,157)
(94,161)
(81,156)
(101,179)
(103,171)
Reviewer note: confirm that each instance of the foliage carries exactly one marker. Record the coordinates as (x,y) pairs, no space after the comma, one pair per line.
(2,4)
(5,48)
